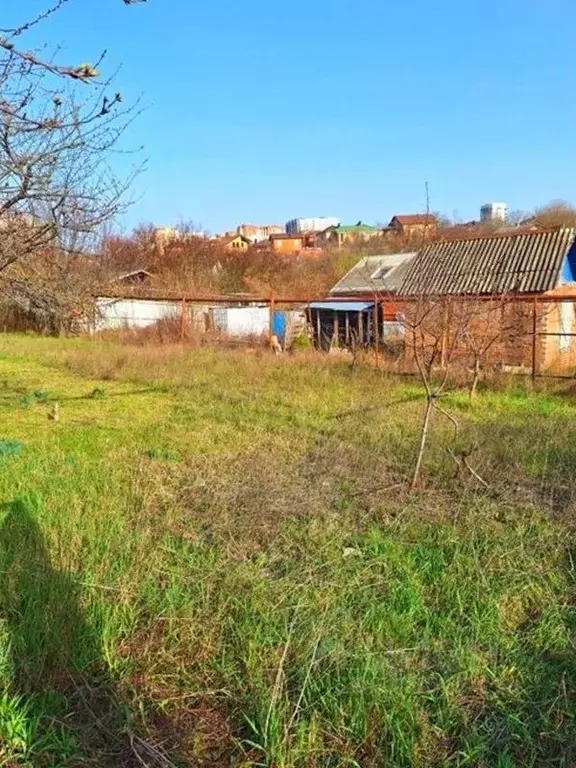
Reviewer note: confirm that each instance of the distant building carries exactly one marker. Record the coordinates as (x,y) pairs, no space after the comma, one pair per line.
(305,241)
(343,234)
(412,225)
(235,242)
(311,224)
(256,233)
(493,212)
(165,236)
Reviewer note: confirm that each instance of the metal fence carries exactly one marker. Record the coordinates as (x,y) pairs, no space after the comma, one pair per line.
(540,335)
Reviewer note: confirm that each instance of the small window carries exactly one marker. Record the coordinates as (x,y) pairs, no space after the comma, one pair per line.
(381,273)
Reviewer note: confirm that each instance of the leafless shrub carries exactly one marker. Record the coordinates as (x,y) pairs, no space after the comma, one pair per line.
(451,334)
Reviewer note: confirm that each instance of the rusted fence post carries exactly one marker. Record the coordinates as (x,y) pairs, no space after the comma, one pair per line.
(271,322)
(183,320)
(534,335)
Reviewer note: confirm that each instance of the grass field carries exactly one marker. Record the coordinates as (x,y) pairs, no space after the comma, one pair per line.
(210,559)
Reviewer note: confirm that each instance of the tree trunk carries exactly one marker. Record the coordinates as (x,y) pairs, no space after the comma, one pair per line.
(475,380)
(423,438)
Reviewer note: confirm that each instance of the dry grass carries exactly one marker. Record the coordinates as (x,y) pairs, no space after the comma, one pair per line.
(234,573)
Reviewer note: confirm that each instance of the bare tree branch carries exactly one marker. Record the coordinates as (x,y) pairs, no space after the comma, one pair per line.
(57,182)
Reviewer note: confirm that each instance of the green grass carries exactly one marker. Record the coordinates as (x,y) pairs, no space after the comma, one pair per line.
(211,559)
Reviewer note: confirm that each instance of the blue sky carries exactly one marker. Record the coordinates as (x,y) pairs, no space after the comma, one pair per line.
(262,111)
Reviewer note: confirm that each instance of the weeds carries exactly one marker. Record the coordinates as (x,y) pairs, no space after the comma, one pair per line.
(34,398)
(162,454)
(10,448)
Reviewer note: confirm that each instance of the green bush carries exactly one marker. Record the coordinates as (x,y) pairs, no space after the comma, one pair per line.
(10,448)
(302,342)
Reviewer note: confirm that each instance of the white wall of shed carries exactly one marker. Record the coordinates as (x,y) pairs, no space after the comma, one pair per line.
(242,321)
(112,314)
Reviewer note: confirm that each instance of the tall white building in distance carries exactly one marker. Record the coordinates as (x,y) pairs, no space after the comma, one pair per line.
(311,224)
(493,212)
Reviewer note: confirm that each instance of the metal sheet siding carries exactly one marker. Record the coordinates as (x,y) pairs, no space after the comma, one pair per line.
(133,313)
(527,263)
(242,321)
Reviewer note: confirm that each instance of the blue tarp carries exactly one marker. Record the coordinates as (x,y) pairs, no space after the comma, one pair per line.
(343,306)
(279,324)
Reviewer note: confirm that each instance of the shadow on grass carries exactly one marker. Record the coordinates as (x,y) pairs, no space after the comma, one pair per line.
(61,687)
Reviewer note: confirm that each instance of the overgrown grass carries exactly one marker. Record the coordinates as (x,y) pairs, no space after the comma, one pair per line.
(213,561)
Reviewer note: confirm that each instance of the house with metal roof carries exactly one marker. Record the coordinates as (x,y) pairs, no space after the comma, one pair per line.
(412,225)
(529,274)
(348,233)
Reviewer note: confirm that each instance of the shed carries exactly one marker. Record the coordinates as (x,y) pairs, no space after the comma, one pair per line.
(118,314)
(342,323)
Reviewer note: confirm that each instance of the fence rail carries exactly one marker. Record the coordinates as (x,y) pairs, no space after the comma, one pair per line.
(544,333)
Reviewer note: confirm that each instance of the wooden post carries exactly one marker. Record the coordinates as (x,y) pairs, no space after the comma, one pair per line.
(360,329)
(309,329)
(347,327)
(318,329)
(271,322)
(183,320)
(534,337)
(335,329)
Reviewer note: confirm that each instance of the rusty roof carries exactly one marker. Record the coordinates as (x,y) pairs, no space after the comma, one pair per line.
(415,218)
(529,262)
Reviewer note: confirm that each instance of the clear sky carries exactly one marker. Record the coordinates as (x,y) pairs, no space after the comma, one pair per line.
(262,111)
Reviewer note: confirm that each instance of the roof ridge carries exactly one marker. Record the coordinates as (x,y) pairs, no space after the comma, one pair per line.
(500,235)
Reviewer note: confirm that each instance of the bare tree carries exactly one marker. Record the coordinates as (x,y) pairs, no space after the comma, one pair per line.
(558,213)
(58,127)
(433,332)
(448,337)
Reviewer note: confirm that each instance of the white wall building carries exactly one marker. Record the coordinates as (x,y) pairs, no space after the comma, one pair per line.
(494,212)
(311,224)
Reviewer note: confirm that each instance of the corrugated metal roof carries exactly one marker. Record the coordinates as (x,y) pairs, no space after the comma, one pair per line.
(364,278)
(524,263)
(343,306)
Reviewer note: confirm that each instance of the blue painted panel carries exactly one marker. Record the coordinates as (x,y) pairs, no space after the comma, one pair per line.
(279,324)
(568,273)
